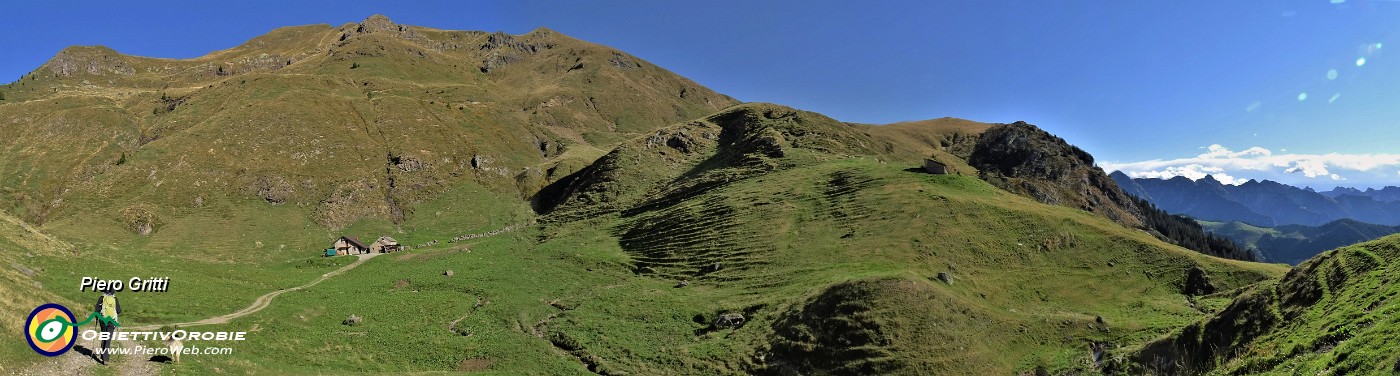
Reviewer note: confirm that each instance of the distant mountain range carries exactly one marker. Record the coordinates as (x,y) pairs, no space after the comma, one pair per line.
(1294,244)
(1387,194)
(1264,203)
(1282,222)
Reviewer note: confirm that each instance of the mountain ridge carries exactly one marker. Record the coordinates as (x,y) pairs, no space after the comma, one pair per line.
(556,102)
(1262,203)
(1385,194)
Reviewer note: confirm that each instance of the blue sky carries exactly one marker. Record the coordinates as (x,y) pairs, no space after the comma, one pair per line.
(1154,88)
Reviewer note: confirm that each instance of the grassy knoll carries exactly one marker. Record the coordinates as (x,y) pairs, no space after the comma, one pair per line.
(1028,282)
(1334,314)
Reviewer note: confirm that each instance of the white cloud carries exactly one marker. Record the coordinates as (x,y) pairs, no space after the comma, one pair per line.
(1224,163)
(1193,172)
(1309,167)
(1217,151)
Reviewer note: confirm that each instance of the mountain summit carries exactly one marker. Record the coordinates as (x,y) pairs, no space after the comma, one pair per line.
(360,121)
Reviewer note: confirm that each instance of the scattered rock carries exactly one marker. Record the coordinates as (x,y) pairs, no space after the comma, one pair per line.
(682,142)
(199,201)
(275,190)
(711,268)
(448,273)
(771,145)
(729,320)
(563,305)
(353,320)
(945,277)
(682,284)
(30,272)
(406,164)
(621,61)
(141,220)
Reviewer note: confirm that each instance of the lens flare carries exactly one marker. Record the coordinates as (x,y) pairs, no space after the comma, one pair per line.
(1360,61)
(1331,74)
(1372,49)
(1302,96)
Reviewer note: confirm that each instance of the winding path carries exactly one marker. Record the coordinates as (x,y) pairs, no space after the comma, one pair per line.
(78,363)
(262,301)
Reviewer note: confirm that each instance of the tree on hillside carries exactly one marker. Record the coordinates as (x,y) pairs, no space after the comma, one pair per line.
(1185,232)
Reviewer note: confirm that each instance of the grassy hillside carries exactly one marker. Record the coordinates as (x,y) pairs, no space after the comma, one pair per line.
(1334,314)
(21,288)
(358,122)
(228,172)
(821,239)
(657,227)
(564,297)
(825,256)
(1244,233)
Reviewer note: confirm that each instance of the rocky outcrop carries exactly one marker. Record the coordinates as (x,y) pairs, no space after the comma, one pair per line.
(378,24)
(273,189)
(1026,160)
(505,49)
(90,60)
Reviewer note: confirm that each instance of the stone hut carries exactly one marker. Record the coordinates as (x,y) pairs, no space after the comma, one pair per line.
(935,167)
(385,244)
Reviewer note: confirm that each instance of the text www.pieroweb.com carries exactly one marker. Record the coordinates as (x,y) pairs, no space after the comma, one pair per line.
(164,350)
